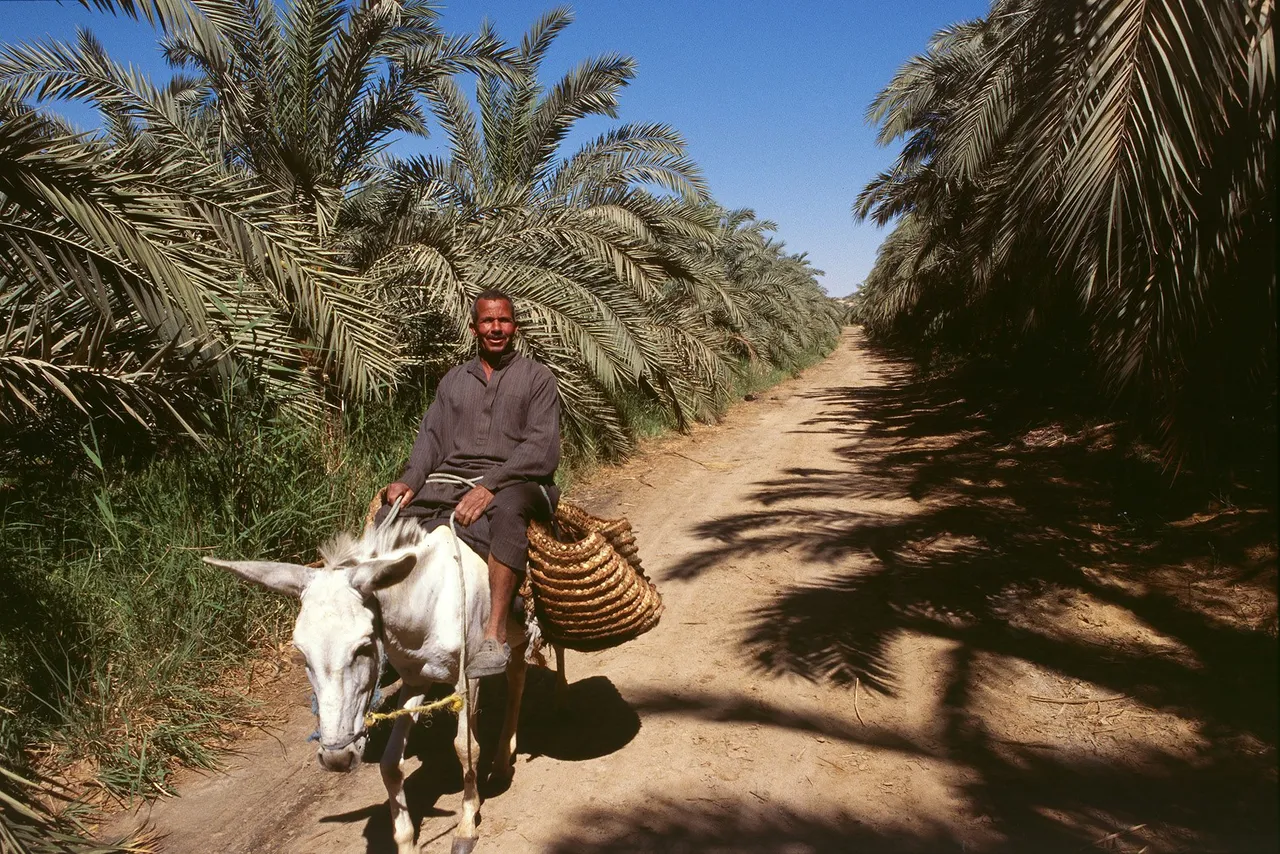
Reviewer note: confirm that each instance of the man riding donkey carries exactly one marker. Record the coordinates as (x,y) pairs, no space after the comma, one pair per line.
(491,437)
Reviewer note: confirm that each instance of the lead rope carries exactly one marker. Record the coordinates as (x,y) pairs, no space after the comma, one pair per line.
(444,477)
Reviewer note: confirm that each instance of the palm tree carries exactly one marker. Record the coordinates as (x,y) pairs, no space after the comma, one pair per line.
(123,284)
(579,242)
(308,97)
(772,308)
(1100,160)
(199,217)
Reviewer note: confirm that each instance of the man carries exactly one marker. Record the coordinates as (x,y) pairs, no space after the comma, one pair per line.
(495,418)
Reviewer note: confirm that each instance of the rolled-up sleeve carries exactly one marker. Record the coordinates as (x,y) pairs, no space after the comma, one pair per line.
(538,454)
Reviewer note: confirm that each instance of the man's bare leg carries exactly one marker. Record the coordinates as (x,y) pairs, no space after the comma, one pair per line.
(492,656)
(502,586)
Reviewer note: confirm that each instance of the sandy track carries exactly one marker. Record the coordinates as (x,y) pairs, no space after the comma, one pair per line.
(733,725)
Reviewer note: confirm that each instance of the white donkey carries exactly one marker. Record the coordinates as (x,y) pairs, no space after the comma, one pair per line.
(398,591)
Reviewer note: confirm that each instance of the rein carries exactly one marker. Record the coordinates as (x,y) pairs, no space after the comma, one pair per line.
(375,696)
(444,477)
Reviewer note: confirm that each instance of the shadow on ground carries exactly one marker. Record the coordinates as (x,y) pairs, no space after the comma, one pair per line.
(594,721)
(993,512)
(672,827)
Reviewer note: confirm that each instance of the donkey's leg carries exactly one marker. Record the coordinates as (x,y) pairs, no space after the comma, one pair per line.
(468,750)
(504,763)
(393,776)
(562,685)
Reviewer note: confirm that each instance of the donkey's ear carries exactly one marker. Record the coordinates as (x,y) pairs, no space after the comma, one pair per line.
(287,578)
(383,571)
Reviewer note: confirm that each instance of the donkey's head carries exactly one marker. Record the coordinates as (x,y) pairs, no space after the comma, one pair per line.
(338,634)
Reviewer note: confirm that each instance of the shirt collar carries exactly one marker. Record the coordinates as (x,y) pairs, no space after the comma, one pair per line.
(476,366)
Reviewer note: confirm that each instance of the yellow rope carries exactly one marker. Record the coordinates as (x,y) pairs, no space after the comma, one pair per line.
(453,703)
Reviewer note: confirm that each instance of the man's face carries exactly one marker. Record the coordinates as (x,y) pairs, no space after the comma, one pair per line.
(494,327)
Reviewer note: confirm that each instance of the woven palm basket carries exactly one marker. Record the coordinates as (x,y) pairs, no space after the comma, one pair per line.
(588,588)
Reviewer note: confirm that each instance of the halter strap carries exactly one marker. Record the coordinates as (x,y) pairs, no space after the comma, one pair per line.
(375,696)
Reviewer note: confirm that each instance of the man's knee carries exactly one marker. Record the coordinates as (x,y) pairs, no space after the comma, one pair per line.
(509,516)
(509,540)
(510,547)
(521,502)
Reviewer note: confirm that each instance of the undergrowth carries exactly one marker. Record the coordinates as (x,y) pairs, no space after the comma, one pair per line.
(39,816)
(758,375)
(114,636)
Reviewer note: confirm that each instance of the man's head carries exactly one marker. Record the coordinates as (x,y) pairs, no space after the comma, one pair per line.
(493,322)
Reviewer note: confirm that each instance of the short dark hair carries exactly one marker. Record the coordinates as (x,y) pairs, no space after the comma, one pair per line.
(491,294)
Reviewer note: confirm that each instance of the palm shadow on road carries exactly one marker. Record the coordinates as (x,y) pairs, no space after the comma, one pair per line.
(594,721)
(981,515)
(667,826)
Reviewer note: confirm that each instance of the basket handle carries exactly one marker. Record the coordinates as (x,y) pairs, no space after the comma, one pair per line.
(551,512)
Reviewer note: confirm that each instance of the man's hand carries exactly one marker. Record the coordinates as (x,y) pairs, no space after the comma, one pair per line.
(399,490)
(472,505)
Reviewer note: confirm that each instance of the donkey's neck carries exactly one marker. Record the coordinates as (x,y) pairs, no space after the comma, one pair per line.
(421,615)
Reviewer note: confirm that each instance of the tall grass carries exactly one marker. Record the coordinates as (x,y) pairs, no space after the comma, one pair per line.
(115,638)
(37,816)
(759,375)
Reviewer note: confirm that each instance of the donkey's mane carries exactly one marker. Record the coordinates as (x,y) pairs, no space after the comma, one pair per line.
(346,550)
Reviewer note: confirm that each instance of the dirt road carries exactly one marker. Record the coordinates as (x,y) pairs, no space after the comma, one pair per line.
(886,629)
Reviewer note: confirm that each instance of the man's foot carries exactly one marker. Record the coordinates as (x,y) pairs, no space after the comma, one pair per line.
(490,658)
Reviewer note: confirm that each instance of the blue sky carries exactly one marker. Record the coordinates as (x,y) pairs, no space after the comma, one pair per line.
(769,96)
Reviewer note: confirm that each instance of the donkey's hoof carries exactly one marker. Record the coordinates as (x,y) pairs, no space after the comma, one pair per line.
(497,782)
(462,846)
(503,771)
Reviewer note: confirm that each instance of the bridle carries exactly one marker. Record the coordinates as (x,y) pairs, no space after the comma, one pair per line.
(375,696)
(380,655)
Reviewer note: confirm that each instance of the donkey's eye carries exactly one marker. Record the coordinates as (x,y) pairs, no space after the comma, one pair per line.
(365,648)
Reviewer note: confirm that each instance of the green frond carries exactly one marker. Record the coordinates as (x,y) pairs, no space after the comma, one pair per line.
(1099,170)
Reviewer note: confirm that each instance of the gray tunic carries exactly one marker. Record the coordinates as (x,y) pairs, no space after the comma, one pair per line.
(504,430)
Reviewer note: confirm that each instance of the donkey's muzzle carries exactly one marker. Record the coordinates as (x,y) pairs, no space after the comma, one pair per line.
(344,759)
